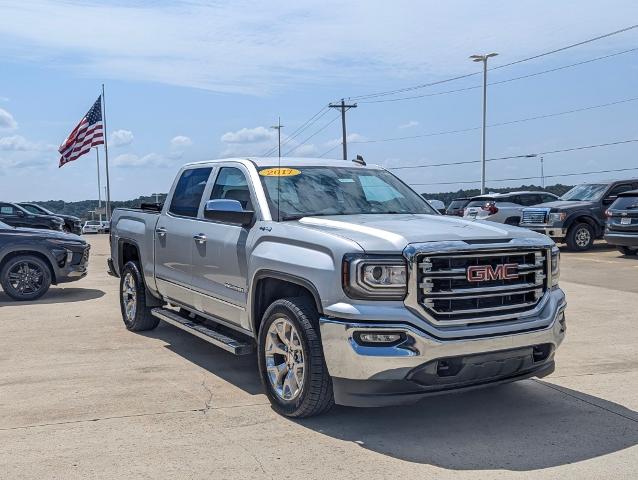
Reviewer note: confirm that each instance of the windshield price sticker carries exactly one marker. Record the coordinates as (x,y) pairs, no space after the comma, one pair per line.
(279,172)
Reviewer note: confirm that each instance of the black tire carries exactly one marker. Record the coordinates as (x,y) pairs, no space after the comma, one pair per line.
(513,221)
(626,250)
(580,237)
(66,229)
(132,288)
(316,395)
(38,278)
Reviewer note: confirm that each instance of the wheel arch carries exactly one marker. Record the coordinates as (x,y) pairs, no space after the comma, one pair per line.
(270,285)
(34,253)
(585,218)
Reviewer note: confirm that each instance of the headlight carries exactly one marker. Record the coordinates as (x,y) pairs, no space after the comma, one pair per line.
(557,217)
(555,265)
(374,277)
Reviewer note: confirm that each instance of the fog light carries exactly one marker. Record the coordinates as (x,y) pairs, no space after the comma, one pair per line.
(379,338)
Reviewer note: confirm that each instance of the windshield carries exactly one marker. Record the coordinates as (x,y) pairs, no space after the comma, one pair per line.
(32,209)
(311,191)
(458,204)
(591,192)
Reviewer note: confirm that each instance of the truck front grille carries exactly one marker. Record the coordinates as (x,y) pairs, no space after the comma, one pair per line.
(481,286)
(534,216)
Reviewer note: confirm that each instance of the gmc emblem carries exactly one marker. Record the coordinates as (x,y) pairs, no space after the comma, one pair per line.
(484,273)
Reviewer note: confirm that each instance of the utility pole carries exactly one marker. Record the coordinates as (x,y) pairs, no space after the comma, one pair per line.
(343,107)
(483,59)
(542,173)
(99,189)
(278,127)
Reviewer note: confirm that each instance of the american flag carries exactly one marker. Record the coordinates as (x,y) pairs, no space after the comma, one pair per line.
(88,133)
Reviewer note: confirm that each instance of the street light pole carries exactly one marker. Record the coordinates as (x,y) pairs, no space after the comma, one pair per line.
(483,59)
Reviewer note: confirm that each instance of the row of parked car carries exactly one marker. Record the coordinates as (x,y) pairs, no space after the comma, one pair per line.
(32,215)
(585,213)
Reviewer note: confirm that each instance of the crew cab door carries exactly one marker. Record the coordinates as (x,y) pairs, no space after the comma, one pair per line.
(173,236)
(219,256)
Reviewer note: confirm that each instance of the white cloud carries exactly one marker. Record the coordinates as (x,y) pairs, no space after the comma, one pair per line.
(7,122)
(260,48)
(350,138)
(17,143)
(249,135)
(181,141)
(120,138)
(149,160)
(410,124)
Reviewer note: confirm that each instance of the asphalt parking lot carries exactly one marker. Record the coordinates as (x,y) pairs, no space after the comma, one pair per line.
(81,397)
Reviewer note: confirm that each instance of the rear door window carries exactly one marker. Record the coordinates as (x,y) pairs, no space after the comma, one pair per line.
(626,203)
(188,192)
(7,210)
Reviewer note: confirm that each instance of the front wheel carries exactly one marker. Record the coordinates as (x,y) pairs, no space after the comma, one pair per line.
(291,363)
(580,237)
(135,313)
(25,277)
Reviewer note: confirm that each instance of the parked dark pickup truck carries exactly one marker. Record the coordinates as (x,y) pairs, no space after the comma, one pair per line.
(71,224)
(622,223)
(578,217)
(31,260)
(16,216)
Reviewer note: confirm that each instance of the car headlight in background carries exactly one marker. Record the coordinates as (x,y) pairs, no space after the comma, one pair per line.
(555,265)
(557,217)
(374,277)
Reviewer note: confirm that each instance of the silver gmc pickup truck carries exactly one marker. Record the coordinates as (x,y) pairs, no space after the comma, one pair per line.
(351,288)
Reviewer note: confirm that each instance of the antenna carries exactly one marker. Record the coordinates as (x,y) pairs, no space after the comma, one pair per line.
(278,127)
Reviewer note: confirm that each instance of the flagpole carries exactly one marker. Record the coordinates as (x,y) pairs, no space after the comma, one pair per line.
(106,160)
(99,188)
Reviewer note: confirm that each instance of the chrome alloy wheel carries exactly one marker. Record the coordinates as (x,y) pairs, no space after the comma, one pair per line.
(582,237)
(26,278)
(284,359)
(129,297)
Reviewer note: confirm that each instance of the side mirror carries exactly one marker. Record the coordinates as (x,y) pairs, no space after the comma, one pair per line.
(228,211)
(19,213)
(609,200)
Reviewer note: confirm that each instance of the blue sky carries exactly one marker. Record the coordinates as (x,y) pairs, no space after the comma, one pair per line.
(195,80)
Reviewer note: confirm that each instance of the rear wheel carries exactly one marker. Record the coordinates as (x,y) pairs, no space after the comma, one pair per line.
(66,229)
(627,250)
(25,277)
(291,363)
(580,237)
(135,313)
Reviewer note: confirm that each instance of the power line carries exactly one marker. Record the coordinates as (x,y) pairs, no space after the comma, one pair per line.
(311,136)
(328,151)
(458,77)
(530,155)
(521,77)
(500,124)
(592,172)
(299,130)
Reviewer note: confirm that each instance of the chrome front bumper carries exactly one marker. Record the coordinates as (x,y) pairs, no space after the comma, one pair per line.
(552,232)
(345,358)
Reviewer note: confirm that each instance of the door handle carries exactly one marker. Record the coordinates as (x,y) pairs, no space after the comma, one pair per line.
(161,231)
(200,238)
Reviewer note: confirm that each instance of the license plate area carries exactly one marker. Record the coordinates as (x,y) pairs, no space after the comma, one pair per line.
(625,221)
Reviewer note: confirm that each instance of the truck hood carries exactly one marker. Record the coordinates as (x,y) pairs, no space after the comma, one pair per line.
(44,234)
(393,232)
(564,205)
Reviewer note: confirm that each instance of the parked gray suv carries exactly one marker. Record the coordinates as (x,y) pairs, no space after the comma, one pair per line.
(350,286)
